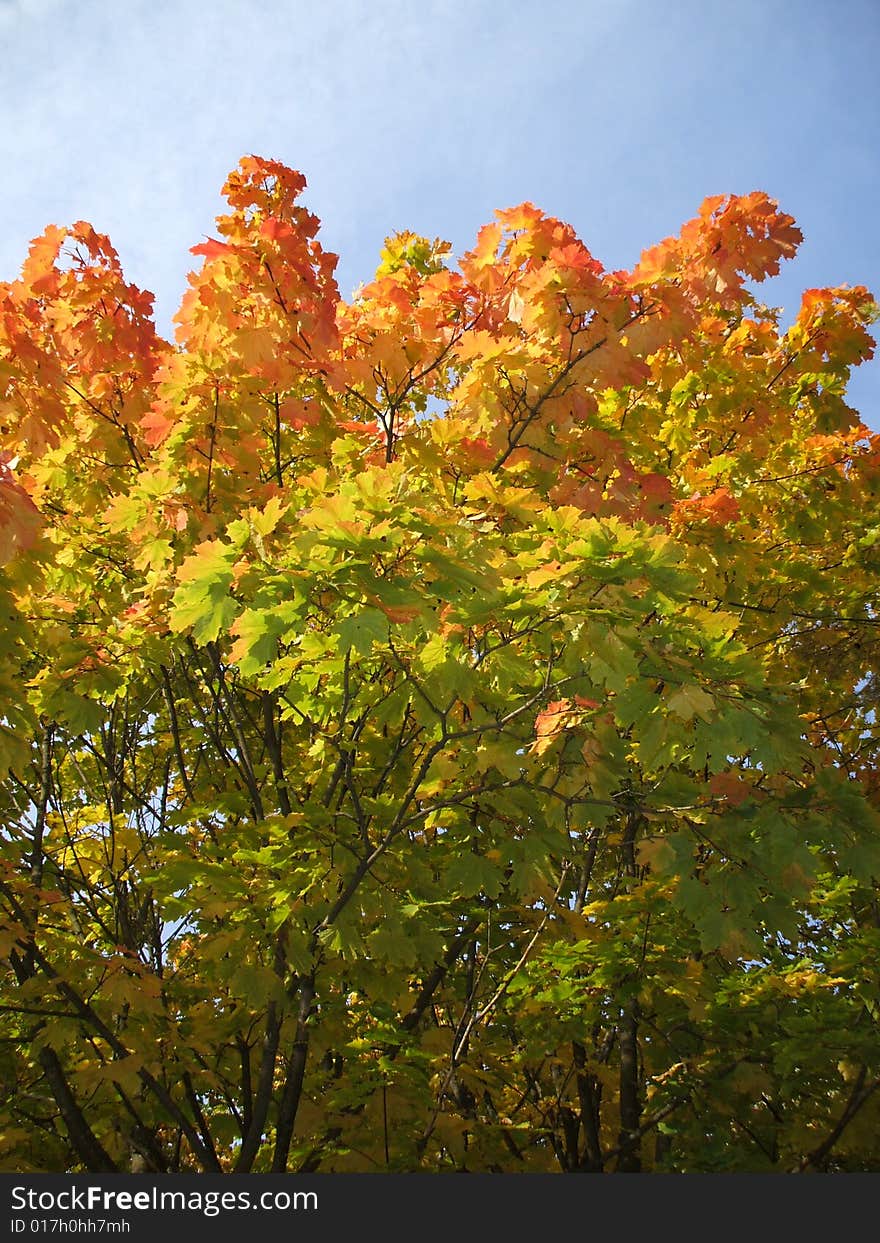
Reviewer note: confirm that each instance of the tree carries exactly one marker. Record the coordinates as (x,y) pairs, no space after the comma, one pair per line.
(440,727)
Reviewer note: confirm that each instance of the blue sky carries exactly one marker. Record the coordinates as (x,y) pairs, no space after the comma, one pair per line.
(619,116)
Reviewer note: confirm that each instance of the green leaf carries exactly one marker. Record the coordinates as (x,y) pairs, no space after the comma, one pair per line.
(470,874)
(691,701)
(202,602)
(362,630)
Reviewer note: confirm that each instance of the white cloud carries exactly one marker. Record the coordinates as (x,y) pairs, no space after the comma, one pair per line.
(17,11)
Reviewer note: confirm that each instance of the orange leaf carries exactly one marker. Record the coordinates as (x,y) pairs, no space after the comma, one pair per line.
(211,249)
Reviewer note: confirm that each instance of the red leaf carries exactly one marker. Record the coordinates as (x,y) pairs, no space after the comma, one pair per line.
(211,249)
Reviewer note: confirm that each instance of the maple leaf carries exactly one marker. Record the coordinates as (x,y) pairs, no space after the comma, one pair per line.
(718,507)
(211,249)
(19,517)
(690,701)
(549,724)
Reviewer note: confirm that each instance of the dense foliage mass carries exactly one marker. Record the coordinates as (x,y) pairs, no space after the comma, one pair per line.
(440,727)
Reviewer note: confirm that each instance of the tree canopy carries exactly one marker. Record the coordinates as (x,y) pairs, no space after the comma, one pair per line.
(440,727)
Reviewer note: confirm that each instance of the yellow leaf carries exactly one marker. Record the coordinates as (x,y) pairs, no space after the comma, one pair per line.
(655,853)
(691,701)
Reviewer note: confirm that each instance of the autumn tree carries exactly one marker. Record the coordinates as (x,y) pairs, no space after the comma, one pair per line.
(440,728)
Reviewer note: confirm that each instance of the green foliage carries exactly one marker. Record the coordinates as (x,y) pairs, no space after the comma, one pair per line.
(441,729)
